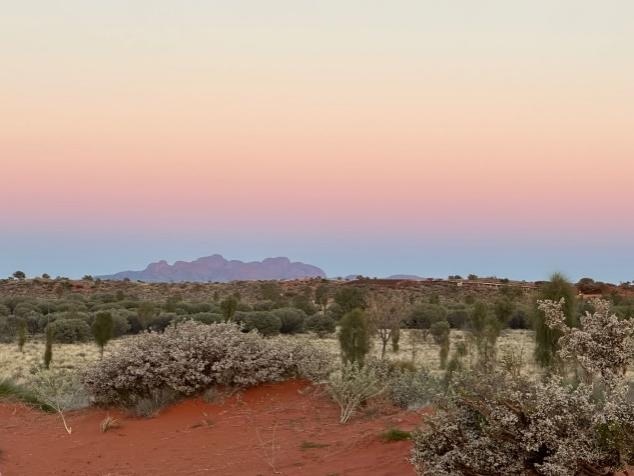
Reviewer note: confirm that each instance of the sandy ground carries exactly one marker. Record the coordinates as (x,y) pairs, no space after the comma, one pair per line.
(288,428)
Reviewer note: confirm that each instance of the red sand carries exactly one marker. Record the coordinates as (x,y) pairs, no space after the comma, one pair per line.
(263,431)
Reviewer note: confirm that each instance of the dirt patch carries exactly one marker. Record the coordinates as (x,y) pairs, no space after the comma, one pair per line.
(286,428)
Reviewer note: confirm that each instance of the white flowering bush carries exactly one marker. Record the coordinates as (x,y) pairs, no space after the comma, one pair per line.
(190,356)
(601,346)
(504,423)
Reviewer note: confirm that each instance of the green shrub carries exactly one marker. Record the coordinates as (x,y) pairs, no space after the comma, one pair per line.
(120,322)
(32,321)
(519,320)
(160,322)
(264,306)
(292,320)
(321,324)
(206,317)
(424,315)
(266,323)
(69,331)
(24,308)
(304,303)
(457,318)
(109,306)
(8,328)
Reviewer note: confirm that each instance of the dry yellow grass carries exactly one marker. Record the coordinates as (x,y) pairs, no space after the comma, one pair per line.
(18,365)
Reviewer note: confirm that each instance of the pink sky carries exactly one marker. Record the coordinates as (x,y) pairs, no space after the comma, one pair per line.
(418,119)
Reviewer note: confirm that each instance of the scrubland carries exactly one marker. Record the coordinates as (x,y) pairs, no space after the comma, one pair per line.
(509,378)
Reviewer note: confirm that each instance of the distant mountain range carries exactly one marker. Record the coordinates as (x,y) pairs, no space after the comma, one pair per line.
(217,268)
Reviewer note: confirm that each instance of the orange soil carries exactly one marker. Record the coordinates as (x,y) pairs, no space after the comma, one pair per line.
(265,430)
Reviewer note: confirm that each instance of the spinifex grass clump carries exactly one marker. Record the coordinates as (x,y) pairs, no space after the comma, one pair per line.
(190,357)
(352,386)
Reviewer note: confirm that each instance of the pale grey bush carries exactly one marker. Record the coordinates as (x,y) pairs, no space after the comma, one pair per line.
(189,357)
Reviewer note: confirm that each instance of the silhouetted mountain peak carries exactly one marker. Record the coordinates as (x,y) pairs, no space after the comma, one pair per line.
(217,268)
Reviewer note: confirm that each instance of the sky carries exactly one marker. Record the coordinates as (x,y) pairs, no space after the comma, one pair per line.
(365,137)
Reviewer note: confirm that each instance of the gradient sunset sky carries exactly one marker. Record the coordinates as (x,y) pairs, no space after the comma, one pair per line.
(365,137)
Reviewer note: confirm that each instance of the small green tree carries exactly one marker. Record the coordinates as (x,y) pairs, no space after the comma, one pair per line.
(354,337)
(102,329)
(417,337)
(146,312)
(19,275)
(349,298)
(229,306)
(322,293)
(546,338)
(384,316)
(396,337)
(503,309)
(484,330)
(48,348)
(22,333)
(440,332)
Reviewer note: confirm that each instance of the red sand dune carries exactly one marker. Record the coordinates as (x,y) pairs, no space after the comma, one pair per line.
(286,428)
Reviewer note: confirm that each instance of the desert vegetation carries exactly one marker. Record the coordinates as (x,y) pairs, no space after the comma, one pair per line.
(514,378)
